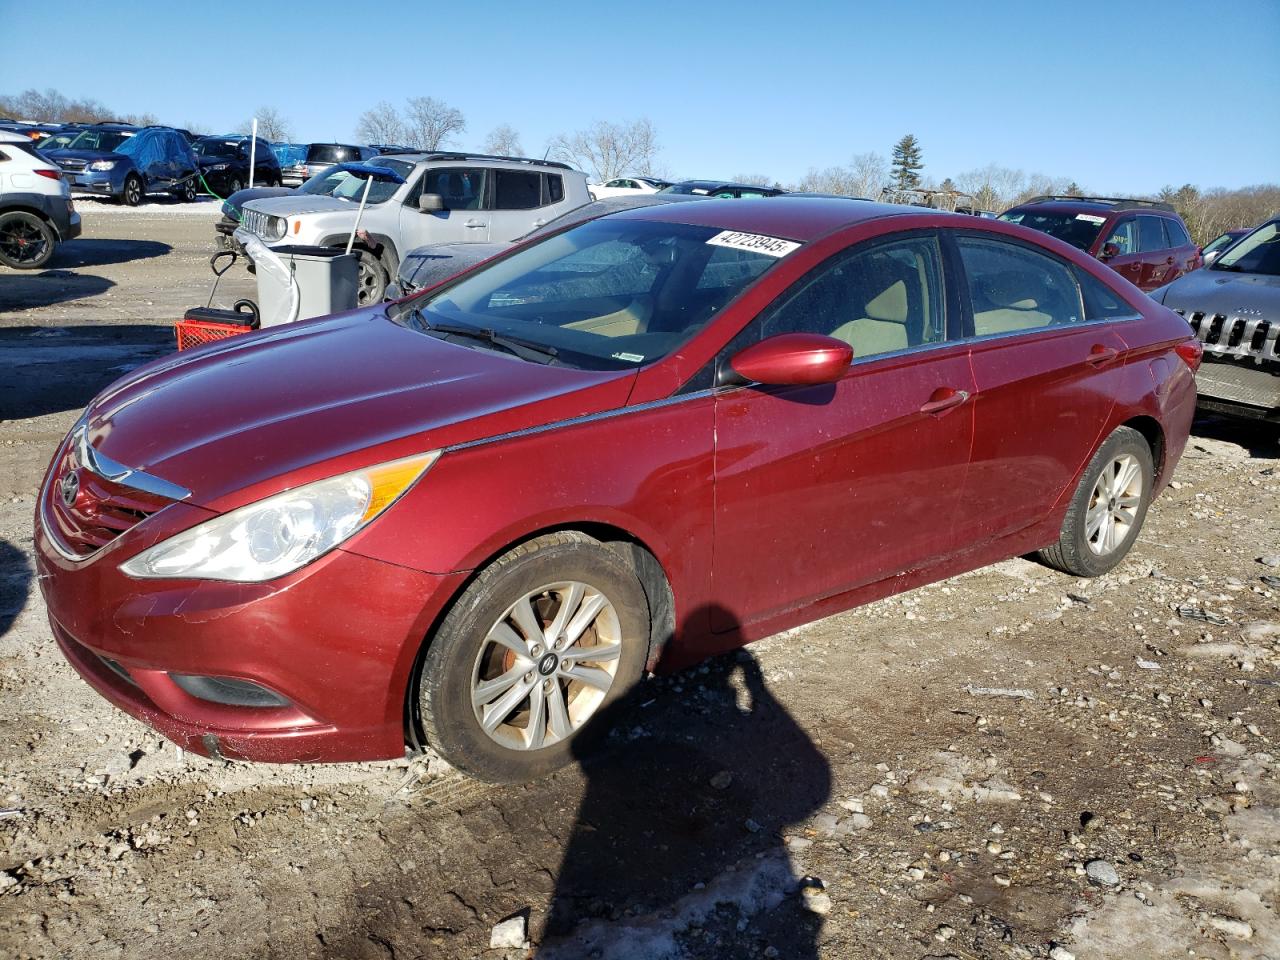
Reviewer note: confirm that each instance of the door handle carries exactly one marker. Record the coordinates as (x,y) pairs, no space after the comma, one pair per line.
(944,398)
(1098,355)
(474,223)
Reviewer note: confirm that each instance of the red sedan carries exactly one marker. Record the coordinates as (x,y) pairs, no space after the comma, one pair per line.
(474,517)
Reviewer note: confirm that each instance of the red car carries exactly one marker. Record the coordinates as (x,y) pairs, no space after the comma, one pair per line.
(1144,241)
(476,516)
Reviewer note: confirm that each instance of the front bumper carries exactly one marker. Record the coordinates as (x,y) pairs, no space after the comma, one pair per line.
(103,182)
(336,640)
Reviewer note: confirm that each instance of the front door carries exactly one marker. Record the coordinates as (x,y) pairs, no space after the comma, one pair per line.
(822,489)
(1127,261)
(465,217)
(1046,378)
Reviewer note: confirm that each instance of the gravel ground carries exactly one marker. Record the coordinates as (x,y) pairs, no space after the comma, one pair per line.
(1012,763)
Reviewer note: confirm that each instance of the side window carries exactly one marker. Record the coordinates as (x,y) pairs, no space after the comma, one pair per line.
(880,299)
(1177,234)
(1012,288)
(1151,235)
(554,188)
(517,190)
(1100,301)
(461,188)
(1125,236)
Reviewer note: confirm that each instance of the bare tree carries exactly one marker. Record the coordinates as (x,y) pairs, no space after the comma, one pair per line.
(503,140)
(381,124)
(865,176)
(141,119)
(755,179)
(606,150)
(271,125)
(50,106)
(431,123)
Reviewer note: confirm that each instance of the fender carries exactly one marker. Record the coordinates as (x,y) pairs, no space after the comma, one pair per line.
(384,247)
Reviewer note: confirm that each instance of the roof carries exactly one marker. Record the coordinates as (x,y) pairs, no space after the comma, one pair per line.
(1093,204)
(419,156)
(795,218)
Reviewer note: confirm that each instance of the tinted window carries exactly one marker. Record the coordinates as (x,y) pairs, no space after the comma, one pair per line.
(517,190)
(332,153)
(1077,229)
(1100,301)
(1177,234)
(878,300)
(1012,288)
(1259,252)
(461,188)
(1125,236)
(1151,235)
(555,187)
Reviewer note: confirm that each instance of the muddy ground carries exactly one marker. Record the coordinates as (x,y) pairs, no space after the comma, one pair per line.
(1012,763)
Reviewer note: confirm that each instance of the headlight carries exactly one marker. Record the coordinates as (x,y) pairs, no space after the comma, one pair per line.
(103,165)
(275,228)
(216,167)
(272,537)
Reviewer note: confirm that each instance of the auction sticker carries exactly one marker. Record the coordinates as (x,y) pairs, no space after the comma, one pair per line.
(754,242)
(1091,217)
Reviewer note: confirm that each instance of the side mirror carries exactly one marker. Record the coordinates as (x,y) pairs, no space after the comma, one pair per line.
(1109,250)
(430,203)
(793,359)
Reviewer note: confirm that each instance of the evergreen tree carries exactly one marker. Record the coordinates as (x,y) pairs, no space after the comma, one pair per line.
(948,186)
(1074,189)
(907,163)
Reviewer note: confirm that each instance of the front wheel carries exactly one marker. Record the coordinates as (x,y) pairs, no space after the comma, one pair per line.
(187,192)
(533,651)
(133,192)
(1108,507)
(371,280)
(26,241)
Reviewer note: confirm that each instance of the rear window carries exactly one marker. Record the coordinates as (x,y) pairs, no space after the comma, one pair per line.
(1151,235)
(332,153)
(1077,229)
(555,187)
(517,190)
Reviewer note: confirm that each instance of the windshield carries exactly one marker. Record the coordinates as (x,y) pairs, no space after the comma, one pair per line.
(331,153)
(1259,252)
(104,140)
(1221,243)
(1077,229)
(226,149)
(345,185)
(701,189)
(607,295)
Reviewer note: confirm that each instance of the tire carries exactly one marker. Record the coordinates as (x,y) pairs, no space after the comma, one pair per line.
(540,715)
(26,241)
(133,192)
(235,186)
(371,280)
(187,192)
(1108,508)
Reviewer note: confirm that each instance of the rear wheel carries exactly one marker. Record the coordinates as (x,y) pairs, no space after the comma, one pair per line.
(530,655)
(1108,507)
(133,192)
(26,241)
(371,281)
(187,192)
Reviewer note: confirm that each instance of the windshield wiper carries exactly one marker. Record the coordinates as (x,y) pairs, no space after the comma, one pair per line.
(524,349)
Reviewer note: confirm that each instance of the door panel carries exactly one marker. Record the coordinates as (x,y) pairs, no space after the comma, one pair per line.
(822,489)
(1128,262)
(464,218)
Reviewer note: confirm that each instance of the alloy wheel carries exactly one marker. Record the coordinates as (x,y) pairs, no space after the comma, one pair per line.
(22,241)
(546,666)
(1113,505)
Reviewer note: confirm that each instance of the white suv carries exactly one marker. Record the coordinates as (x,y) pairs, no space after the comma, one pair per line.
(434,198)
(35,205)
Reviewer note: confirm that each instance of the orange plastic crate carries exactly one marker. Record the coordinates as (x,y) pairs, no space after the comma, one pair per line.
(195,333)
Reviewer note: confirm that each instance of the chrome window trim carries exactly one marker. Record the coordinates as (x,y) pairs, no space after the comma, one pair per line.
(1028,331)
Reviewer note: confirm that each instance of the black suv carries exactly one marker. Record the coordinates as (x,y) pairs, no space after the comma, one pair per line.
(224,163)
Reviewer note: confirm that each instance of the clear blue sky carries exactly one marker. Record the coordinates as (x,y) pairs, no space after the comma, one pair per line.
(1121,96)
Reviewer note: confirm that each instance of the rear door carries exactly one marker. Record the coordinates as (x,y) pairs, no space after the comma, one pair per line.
(464,218)
(822,489)
(517,205)
(1186,255)
(1046,376)
(1158,261)
(1127,261)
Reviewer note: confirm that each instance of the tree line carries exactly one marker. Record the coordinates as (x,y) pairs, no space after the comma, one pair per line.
(613,148)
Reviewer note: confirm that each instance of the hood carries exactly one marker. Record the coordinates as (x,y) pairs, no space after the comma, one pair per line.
(427,266)
(233,422)
(87,155)
(238,199)
(300,204)
(1225,292)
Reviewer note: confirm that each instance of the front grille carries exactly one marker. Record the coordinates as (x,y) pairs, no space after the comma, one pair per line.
(71,164)
(1225,336)
(254,221)
(100,509)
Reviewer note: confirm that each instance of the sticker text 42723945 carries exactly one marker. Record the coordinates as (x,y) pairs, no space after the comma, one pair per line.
(754,242)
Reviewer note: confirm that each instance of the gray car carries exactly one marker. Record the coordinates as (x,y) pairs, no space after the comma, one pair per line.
(433,263)
(1234,307)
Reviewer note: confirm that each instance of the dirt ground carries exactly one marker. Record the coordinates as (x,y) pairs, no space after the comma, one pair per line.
(1012,763)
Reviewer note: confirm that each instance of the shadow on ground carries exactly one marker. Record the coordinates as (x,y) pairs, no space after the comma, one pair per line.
(1259,437)
(23,290)
(51,369)
(99,252)
(15,581)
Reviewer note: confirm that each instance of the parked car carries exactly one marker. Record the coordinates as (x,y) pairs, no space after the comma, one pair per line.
(626,186)
(62,137)
(1144,241)
(390,149)
(126,163)
(1218,244)
(1233,305)
(721,190)
(224,163)
(289,155)
(36,212)
(445,198)
(320,157)
(428,265)
(475,518)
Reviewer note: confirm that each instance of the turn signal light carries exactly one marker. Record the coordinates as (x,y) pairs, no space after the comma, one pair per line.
(1191,352)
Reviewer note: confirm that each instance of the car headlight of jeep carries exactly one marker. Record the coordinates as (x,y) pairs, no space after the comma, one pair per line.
(103,165)
(275,228)
(275,536)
